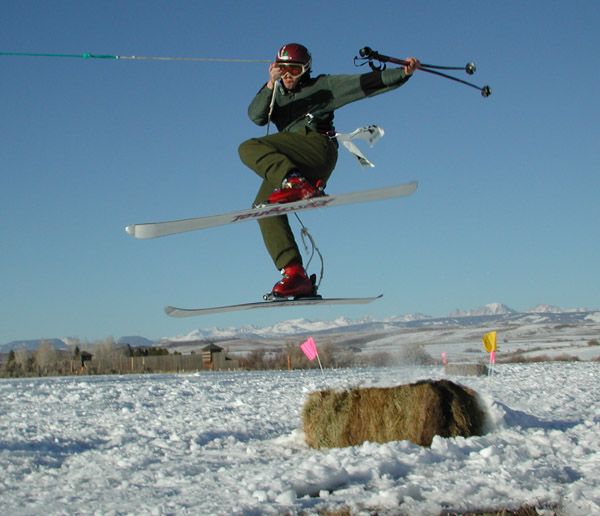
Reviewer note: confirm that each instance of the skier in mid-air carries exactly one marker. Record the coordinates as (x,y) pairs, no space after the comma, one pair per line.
(296,162)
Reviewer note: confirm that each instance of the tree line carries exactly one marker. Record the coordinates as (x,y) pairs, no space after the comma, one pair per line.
(105,357)
(108,357)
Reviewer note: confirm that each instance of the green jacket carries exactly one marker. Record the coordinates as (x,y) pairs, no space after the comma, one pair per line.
(311,105)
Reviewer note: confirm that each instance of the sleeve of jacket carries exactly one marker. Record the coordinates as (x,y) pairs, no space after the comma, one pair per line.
(258,110)
(350,88)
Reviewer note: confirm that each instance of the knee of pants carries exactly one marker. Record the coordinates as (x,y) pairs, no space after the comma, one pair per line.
(245,150)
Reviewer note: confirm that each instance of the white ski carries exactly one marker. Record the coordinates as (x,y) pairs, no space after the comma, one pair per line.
(157,229)
(278,303)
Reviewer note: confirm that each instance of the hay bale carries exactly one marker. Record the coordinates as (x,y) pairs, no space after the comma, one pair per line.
(414,412)
(466,369)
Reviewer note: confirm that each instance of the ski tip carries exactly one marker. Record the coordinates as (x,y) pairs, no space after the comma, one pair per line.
(169,309)
(130,229)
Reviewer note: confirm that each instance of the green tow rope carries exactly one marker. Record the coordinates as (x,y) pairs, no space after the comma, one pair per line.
(89,55)
(85,55)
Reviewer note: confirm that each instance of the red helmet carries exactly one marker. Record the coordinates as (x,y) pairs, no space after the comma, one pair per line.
(294,53)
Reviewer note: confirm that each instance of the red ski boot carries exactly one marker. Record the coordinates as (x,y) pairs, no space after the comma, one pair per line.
(295,283)
(295,187)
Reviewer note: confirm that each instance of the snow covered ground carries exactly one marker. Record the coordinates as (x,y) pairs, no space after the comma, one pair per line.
(231,443)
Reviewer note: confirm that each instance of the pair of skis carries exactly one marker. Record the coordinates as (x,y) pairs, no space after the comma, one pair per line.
(158,229)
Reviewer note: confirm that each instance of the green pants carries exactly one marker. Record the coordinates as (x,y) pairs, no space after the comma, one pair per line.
(272,157)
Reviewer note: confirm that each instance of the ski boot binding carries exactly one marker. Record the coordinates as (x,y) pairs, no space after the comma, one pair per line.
(296,187)
(296,284)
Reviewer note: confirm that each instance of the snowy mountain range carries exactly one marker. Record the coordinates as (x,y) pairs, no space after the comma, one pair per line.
(489,309)
(461,318)
(490,313)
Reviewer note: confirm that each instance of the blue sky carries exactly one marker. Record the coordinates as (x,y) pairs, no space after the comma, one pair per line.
(507,208)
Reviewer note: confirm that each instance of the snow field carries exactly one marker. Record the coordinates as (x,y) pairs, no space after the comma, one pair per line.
(231,443)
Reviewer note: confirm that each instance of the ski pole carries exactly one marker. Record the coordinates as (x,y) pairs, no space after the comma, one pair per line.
(370,55)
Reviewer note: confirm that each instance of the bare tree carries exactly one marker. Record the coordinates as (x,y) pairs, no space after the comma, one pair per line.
(46,358)
(23,361)
(109,357)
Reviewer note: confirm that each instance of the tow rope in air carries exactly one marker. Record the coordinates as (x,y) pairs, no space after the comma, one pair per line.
(90,55)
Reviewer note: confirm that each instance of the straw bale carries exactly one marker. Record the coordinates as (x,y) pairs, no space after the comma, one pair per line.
(415,412)
(466,369)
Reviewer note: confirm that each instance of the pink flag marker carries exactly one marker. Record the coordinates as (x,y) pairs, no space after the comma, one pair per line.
(492,362)
(309,348)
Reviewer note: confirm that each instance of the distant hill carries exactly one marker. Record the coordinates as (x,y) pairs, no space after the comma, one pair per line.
(135,341)
(550,309)
(490,309)
(31,345)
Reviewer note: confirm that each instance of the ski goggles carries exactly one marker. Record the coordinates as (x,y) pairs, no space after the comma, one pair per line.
(294,69)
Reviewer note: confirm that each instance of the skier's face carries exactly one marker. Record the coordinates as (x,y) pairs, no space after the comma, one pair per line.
(289,81)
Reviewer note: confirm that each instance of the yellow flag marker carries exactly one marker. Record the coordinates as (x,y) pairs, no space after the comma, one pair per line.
(489,341)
